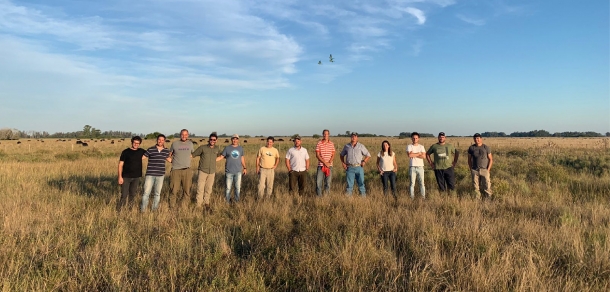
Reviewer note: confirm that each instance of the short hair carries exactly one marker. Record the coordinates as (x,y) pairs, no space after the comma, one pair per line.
(184,130)
(414,133)
(325,130)
(271,138)
(476,135)
(136,138)
(161,135)
(213,134)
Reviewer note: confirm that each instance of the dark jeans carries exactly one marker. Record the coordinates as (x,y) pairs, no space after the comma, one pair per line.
(297,177)
(391,177)
(129,189)
(445,178)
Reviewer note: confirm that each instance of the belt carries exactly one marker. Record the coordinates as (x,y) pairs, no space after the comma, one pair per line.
(354,165)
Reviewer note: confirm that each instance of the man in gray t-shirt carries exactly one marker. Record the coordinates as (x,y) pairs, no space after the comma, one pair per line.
(480,162)
(234,168)
(181,174)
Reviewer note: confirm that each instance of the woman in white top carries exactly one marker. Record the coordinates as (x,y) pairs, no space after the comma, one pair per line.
(386,164)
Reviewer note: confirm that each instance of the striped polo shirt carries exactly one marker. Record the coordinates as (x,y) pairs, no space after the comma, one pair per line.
(326,151)
(156,161)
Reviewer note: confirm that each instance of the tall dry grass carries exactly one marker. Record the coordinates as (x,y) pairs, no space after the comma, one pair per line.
(547,229)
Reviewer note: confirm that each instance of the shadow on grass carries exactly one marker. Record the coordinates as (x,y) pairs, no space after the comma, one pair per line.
(103,187)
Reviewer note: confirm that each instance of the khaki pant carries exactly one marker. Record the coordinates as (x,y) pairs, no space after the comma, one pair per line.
(177,178)
(483,175)
(265,180)
(205,182)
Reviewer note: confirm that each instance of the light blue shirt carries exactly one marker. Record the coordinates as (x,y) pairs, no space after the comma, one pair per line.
(355,154)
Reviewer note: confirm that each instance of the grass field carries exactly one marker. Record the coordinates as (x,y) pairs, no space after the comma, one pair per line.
(547,228)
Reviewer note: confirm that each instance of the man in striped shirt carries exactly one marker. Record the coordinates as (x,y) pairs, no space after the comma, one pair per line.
(325,152)
(155,172)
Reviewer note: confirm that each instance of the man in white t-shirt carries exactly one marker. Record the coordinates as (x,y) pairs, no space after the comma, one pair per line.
(297,162)
(417,153)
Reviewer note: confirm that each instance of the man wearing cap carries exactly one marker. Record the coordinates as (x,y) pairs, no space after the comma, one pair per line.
(445,158)
(267,160)
(479,162)
(297,162)
(181,174)
(325,152)
(354,157)
(206,171)
(234,168)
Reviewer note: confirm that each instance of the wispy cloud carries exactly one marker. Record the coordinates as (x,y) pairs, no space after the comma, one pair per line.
(471,20)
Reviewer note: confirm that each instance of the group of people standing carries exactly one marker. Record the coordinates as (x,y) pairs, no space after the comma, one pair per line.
(442,157)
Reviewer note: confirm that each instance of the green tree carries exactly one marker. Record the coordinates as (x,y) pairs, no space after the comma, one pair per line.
(87,131)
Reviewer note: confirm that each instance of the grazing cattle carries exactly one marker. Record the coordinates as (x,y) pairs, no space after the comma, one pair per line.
(29,140)
(85,144)
(79,142)
(245,141)
(226,140)
(280,140)
(18,142)
(263,139)
(42,141)
(111,142)
(63,140)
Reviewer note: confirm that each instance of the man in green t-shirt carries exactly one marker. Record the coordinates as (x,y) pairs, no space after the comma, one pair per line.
(445,158)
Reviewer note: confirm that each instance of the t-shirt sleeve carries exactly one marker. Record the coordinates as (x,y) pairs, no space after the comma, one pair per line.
(488,149)
(429,150)
(123,156)
(224,152)
(288,154)
(147,153)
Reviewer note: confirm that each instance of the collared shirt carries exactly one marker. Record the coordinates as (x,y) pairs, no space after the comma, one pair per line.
(207,158)
(354,154)
(156,161)
(326,149)
(298,158)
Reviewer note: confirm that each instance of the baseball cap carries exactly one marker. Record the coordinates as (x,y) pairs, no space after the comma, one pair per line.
(297,137)
(354,134)
(441,134)
(477,135)
(235,136)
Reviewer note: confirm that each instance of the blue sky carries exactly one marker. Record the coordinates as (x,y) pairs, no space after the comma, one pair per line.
(251,67)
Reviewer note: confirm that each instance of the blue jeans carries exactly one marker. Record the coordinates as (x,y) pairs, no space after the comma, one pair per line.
(232,178)
(417,173)
(154,184)
(321,179)
(355,172)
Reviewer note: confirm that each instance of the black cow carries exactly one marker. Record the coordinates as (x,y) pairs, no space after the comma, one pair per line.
(226,140)
(85,144)
(79,142)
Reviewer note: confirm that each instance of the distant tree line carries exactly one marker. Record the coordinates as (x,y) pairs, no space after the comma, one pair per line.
(543,133)
(404,135)
(88,132)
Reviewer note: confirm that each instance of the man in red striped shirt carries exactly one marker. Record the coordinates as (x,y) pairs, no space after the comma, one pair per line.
(325,152)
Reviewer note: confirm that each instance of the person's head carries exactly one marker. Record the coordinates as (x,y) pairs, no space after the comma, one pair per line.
(441,137)
(297,141)
(354,137)
(386,147)
(415,138)
(135,142)
(326,134)
(160,140)
(270,141)
(212,139)
(234,139)
(184,135)
(477,139)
